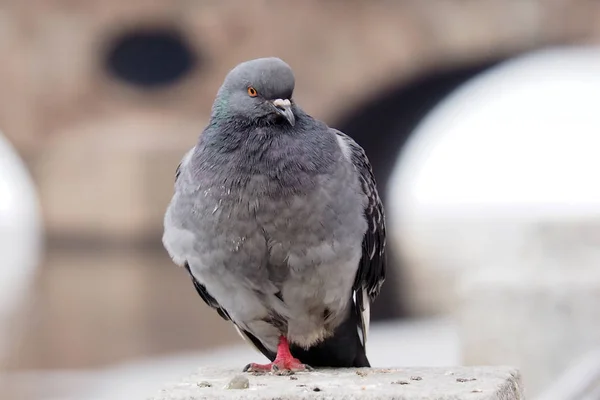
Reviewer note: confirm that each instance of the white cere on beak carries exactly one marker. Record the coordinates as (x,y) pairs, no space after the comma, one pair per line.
(284,108)
(282,103)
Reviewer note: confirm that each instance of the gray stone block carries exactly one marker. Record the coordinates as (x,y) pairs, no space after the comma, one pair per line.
(453,383)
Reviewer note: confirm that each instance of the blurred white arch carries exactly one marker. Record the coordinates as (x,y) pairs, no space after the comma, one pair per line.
(534,118)
(20,238)
(513,147)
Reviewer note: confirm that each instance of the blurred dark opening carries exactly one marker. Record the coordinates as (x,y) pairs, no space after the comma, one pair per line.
(150,58)
(382,127)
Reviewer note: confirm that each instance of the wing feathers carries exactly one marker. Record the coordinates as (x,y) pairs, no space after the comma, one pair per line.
(371,269)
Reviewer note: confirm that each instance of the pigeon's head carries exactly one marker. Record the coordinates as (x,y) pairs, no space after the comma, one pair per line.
(258,90)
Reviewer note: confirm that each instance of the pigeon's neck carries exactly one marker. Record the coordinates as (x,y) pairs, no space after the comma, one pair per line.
(219,110)
(286,158)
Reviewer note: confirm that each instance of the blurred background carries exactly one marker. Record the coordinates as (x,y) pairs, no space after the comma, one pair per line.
(480,119)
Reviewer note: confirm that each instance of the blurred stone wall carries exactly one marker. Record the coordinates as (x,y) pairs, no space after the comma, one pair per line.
(103,151)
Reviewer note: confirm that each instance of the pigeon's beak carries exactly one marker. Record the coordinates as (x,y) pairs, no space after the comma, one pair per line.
(284,108)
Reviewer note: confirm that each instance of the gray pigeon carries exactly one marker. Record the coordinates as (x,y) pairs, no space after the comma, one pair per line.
(277,219)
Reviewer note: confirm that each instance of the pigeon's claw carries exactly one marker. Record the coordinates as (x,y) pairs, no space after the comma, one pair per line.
(283,364)
(279,367)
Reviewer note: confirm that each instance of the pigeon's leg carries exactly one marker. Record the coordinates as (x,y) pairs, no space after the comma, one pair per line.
(284,361)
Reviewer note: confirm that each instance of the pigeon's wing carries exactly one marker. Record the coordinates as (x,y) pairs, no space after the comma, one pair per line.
(200,288)
(205,295)
(371,268)
(211,302)
(208,299)
(183,163)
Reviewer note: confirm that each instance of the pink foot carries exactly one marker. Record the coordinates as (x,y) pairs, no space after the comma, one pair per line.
(283,363)
(293,365)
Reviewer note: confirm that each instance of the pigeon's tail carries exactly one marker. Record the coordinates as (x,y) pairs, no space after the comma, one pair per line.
(343,349)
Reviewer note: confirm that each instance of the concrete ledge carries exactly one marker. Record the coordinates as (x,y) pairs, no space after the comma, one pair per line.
(453,383)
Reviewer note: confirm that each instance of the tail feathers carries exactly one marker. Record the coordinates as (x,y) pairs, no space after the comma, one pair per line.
(342,350)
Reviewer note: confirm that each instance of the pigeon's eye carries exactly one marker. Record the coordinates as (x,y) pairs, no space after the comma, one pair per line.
(252,92)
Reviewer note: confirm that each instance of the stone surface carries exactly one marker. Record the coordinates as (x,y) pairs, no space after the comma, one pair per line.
(87,369)
(538,320)
(452,383)
(237,382)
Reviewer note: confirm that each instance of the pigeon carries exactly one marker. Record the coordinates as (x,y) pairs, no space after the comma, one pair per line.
(277,220)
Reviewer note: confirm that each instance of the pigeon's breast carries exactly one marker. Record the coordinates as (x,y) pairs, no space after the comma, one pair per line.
(310,220)
(314,246)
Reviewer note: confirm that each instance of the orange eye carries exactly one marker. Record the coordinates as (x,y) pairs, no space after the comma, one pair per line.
(252,92)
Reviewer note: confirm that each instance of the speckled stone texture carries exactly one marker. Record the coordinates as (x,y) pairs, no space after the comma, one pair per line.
(453,383)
